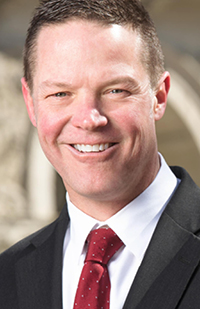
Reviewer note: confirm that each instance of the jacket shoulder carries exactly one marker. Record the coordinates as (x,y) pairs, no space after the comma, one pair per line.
(184,206)
(25,245)
(34,240)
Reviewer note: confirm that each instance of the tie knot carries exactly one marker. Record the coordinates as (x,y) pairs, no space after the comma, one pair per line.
(103,243)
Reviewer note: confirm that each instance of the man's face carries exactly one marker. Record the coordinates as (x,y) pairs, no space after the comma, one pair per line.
(95,111)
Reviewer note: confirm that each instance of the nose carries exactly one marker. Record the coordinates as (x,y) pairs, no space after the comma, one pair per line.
(88,115)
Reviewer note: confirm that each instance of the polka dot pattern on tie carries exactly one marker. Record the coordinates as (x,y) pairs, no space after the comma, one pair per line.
(94,285)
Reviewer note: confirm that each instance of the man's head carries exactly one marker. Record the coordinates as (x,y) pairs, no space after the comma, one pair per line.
(94,107)
(122,12)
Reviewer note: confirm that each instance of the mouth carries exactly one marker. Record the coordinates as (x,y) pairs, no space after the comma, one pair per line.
(92,148)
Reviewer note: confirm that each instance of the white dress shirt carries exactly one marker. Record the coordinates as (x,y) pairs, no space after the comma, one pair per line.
(134,224)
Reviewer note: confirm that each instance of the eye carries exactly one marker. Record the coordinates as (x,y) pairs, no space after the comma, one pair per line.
(117,91)
(60,94)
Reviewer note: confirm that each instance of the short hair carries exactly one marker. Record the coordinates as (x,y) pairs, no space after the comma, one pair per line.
(106,12)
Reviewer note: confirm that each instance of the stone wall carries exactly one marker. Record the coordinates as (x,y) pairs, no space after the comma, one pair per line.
(15,220)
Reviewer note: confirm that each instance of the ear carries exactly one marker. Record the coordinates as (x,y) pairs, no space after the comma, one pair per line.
(161,93)
(29,101)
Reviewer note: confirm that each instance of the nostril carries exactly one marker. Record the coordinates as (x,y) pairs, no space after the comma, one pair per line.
(89,120)
(98,118)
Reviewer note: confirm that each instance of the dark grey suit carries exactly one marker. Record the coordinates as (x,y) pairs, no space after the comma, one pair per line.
(169,276)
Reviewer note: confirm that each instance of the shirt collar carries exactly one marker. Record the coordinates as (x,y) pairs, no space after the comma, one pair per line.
(79,221)
(133,223)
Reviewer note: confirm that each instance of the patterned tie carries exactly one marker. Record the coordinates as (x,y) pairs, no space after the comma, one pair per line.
(94,284)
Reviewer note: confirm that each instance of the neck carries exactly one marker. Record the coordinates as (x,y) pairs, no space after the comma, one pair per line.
(103,207)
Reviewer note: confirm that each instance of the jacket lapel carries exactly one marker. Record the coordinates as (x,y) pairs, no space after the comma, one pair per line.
(161,251)
(162,267)
(39,270)
(168,288)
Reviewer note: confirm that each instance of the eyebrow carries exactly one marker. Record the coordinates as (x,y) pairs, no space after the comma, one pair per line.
(122,80)
(49,84)
(118,80)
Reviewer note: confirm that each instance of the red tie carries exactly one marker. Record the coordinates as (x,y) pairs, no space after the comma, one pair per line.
(94,284)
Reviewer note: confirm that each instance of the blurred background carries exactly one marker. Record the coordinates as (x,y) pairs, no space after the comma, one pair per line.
(31,193)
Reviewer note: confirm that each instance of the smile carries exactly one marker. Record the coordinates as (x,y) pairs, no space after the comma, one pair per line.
(92,148)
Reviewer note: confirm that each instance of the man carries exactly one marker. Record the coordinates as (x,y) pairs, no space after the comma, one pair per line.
(94,85)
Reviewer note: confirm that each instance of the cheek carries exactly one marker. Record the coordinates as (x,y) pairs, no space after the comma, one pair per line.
(129,120)
(50,124)
(137,125)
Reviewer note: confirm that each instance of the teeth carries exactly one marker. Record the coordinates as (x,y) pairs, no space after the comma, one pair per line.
(91,148)
(101,147)
(95,148)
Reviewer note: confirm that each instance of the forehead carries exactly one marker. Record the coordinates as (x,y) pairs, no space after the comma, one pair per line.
(84,33)
(86,47)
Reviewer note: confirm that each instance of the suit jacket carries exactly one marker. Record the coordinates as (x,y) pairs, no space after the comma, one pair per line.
(168,278)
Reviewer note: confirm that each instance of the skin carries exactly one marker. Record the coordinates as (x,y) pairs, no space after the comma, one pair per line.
(90,88)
